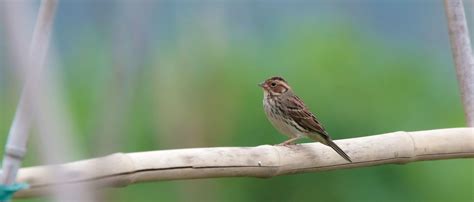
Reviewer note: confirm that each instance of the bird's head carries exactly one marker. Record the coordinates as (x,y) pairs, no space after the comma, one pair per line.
(275,86)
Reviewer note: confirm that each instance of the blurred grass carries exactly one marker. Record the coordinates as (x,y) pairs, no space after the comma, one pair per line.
(196,93)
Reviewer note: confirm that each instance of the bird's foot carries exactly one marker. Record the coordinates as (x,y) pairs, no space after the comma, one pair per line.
(286,144)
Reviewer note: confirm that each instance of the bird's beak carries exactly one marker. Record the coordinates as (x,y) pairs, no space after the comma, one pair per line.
(261,84)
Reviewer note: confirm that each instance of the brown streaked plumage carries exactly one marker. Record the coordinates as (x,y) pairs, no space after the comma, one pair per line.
(290,116)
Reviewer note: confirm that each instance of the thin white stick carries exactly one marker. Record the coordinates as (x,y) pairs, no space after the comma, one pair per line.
(18,136)
(462,55)
(40,102)
(265,161)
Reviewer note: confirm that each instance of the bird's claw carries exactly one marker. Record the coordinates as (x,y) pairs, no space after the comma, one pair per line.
(285,144)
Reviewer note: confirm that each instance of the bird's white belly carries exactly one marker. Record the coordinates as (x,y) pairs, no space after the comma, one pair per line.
(280,124)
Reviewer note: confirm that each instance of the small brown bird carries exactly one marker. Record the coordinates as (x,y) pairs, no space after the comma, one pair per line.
(291,117)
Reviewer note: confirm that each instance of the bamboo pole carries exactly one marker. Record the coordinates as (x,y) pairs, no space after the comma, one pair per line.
(122,169)
(40,104)
(462,55)
(15,148)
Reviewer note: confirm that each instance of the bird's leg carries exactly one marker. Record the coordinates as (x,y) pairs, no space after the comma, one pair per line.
(289,142)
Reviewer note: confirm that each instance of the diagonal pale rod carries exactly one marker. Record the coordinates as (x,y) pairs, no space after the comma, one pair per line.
(15,148)
(462,55)
(122,169)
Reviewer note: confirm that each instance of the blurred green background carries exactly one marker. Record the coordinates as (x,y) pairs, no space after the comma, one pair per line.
(148,75)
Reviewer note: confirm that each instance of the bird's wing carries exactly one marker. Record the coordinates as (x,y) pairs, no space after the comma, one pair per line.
(303,117)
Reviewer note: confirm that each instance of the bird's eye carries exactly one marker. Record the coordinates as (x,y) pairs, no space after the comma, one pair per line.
(273,84)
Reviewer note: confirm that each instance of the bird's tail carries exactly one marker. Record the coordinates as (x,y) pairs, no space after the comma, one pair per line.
(338,150)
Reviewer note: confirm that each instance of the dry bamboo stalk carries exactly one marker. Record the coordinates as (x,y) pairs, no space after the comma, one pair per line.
(40,104)
(462,55)
(18,135)
(122,169)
